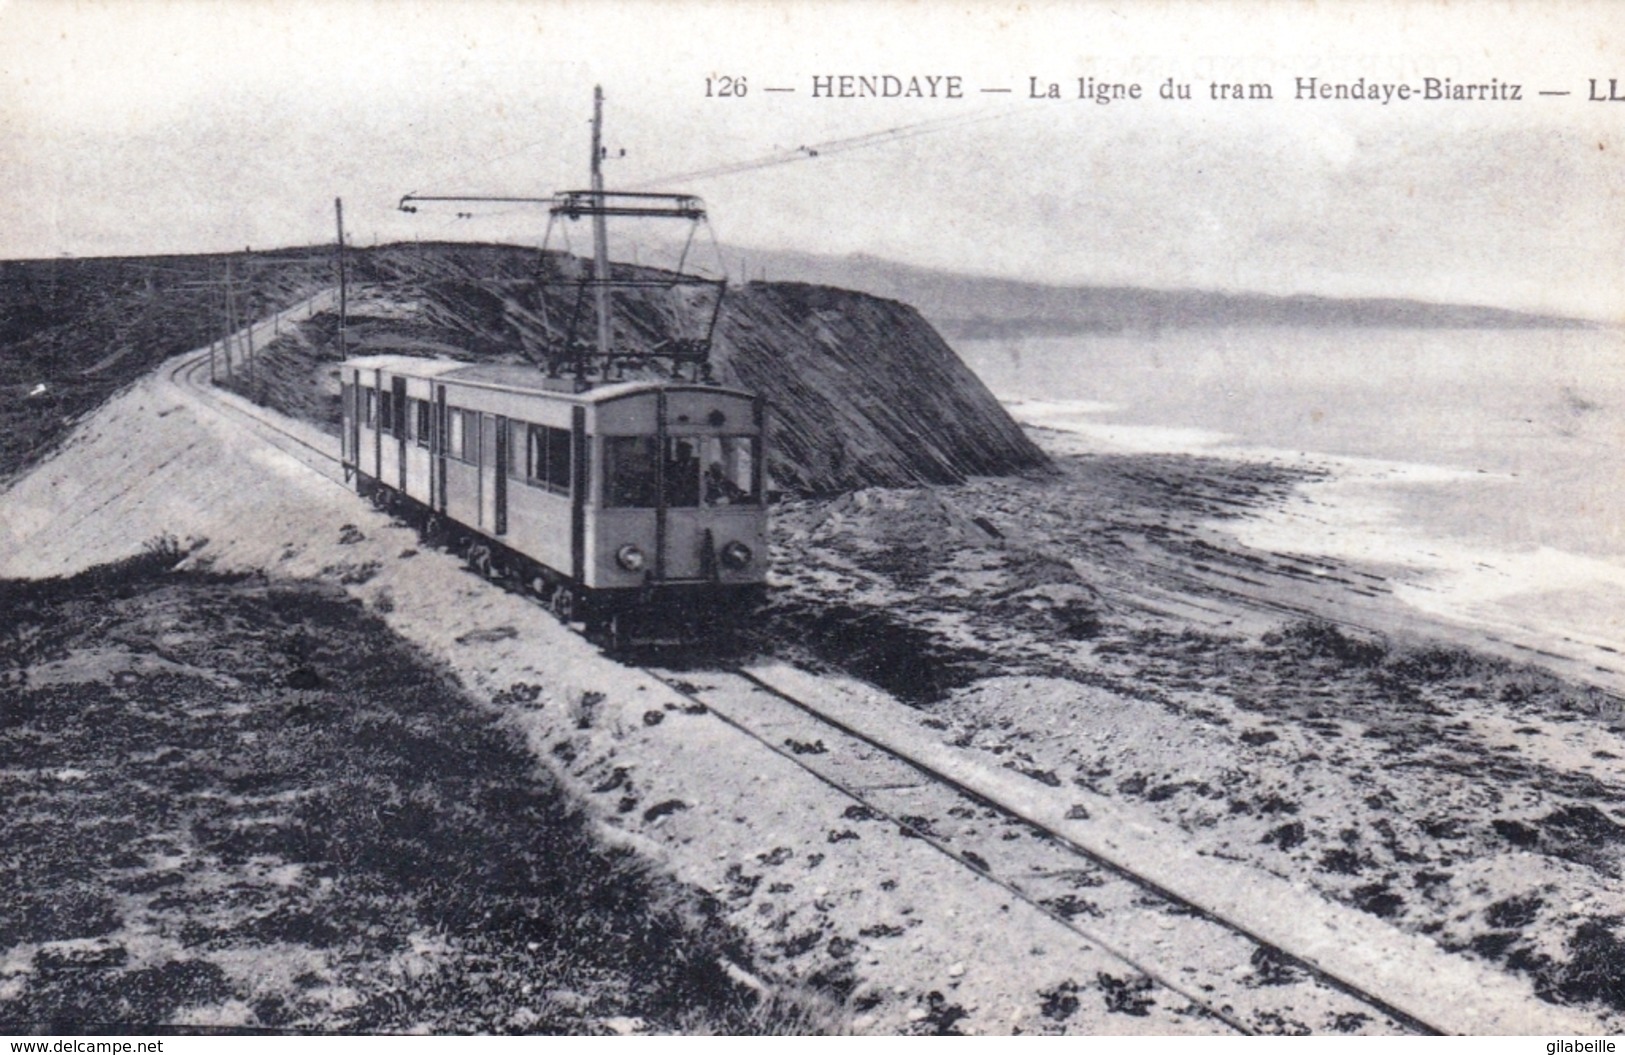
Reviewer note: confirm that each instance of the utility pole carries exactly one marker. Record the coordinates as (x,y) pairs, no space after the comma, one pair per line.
(598,204)
(248,335)
(338,213)
(148,307)
(600,229)
(221,346)
(230,314)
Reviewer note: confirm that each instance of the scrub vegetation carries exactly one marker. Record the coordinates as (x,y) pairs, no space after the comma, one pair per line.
(246,804)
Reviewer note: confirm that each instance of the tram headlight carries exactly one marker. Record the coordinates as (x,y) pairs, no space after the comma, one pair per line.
(630,557)
(735,555)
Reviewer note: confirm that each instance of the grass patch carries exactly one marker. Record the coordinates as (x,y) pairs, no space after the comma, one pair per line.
(231,802)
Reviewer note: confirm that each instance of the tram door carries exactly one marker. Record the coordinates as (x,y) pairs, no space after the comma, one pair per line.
(499,488)
(349,440)
(398,424)
(439,445)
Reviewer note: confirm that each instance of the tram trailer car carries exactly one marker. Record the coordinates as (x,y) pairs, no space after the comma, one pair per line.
(627,503)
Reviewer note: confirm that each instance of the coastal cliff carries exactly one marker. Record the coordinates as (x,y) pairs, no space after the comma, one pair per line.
(862,391)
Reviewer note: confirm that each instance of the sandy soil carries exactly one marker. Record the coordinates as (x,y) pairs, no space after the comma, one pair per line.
(1088,630)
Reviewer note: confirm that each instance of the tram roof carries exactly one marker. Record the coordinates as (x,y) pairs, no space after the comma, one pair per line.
(516,376)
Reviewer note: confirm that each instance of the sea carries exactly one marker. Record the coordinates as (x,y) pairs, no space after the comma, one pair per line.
(1483,469)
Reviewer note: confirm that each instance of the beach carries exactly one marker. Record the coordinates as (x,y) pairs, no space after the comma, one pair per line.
(1479,471)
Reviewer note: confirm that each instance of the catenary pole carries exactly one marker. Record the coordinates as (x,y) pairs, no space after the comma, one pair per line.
(600,230)
(338,213)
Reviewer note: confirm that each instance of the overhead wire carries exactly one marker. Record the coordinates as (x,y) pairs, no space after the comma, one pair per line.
(823,148)
(880,137)
(459,173)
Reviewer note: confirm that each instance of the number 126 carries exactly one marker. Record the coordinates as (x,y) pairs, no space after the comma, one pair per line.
(725,87)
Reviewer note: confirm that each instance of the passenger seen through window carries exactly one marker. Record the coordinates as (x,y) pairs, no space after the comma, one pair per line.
(720,470)
(682,474)
(730,469)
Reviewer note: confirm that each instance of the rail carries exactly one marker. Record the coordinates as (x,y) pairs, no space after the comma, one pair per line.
(324,460)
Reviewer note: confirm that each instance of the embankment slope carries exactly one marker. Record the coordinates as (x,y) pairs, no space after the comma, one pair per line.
(74,331)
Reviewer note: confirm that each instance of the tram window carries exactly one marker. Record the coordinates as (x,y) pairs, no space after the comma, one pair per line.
(386,412)
(372,408)
(422,420)
(468,446)
(454,441)
(629,471)
(558,460)
(730,469)
(682,472)
(536,454)
(547,458)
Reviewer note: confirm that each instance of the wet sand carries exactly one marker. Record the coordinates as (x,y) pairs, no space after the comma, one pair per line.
(1528,601)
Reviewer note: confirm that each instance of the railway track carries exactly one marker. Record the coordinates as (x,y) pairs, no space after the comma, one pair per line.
(1186,948)
(1217,965)
(190,373)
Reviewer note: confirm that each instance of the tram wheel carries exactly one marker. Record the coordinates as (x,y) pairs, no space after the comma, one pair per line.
(615,635)
(564,604)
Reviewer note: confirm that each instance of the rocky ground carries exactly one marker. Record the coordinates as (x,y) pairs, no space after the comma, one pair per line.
(1095,629)
(73,332)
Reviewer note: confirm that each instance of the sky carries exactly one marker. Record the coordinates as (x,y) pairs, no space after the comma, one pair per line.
(165,127)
